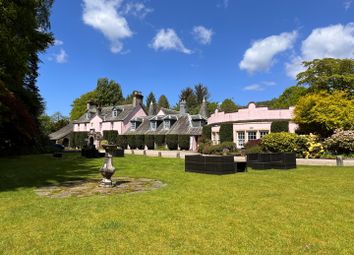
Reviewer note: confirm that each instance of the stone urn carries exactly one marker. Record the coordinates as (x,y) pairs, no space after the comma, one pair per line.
(108,169)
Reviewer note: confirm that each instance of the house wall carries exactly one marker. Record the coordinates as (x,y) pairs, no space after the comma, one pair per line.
(249,123)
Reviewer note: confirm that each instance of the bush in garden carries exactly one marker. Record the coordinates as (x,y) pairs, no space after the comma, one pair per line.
(279,126)
(341,142)
(172,142)
(149,141)
(131,141)
(110,136)
(159,140)
(306,146)
(313,149)
(206,133)
(253,146)
(226,133)
(218,149)
(184,142)
(139,141)
(78,139)
(122,141)
(280,142)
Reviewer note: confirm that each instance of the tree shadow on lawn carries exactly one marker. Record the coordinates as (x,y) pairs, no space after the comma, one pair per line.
(43,170)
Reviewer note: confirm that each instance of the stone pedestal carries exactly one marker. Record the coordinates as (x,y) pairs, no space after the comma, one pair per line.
(108,169)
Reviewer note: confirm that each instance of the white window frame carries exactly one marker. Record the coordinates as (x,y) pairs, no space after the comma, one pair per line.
(133,125)
(153,125)
(166,124)
(251,132)
(241,139)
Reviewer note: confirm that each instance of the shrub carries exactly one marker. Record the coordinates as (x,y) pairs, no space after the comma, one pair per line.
(253,146)
(303,145)
(131,141)
(280,142)
(159,140)
(279,126)
(206,133)
(183,142)
(110,136)
(139,141)
(226,133)
(313,148)
(78,139)
(122,141)
(218,149)
(172,142)
(149,141)
(341,142)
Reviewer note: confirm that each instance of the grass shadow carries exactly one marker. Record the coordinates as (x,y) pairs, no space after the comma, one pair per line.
(43,170)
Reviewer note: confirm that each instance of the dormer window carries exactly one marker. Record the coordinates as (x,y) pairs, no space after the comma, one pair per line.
(153,125)
(133,126)
(114,113)
(166,124)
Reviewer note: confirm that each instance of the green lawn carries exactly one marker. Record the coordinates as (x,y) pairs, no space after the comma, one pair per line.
(309,210)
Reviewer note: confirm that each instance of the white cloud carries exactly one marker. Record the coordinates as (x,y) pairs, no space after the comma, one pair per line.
(202,34)
(260,56)
(224,4)
(254,87)
(103,15)
(259,86)
(347,4)
(336,41)
(167,39)
(58,42)
(136,9)
(61,57)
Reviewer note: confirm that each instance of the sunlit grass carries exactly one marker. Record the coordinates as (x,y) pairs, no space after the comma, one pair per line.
(304,211)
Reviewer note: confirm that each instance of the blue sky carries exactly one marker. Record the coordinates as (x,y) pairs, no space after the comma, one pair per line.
(244,50)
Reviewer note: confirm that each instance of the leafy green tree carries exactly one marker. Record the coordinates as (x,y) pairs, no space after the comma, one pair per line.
(228,105)
(150,98)
(212,107)
(289,97)
(79,105)
(108,92)
(24,34)
(201,92)
(328,74)
(53,123)
(191,99)
(163,102)
(321,113)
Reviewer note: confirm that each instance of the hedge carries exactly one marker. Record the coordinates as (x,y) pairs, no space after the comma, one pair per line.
(206,133)
(226,133)
(139,141)
(131,141)
(149,141)
(172,142)
(279,126)
(110,136)
(78,139)
(184,142)
(122,141)
(159,140)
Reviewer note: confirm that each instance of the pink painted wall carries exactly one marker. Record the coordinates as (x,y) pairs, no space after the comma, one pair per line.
(251,113)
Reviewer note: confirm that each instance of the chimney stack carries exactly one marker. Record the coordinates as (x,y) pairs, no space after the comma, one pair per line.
(183,107)
(204,109)
(91,106)
(151,109)
(137,98)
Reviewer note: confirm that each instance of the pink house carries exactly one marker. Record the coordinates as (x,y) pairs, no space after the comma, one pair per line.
(98,119)
(249,123)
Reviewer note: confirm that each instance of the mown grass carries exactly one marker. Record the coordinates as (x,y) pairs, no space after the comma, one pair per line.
(309,210)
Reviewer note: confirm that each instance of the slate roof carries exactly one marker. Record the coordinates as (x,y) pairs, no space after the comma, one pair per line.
(169,111)
(182,126)
(64,131)
(105,113)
